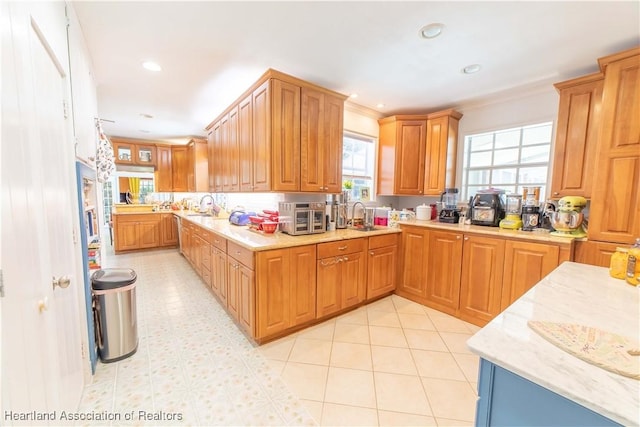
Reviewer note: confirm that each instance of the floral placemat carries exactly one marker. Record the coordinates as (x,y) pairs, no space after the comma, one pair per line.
(600,348)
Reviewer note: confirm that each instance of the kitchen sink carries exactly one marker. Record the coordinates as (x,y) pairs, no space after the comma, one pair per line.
(199,214)
(371,228)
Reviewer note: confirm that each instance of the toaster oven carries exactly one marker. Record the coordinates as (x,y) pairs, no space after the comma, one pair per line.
(302,217)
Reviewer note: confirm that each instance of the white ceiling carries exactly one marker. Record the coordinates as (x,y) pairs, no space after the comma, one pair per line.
(211,52)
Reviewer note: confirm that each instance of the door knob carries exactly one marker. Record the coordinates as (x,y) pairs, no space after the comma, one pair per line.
(62,282)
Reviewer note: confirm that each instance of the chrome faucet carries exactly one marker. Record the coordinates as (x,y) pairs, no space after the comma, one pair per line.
(353,213)
(213,204)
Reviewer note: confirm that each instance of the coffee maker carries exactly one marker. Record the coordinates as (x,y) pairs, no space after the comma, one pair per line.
(339,209)
(450,212)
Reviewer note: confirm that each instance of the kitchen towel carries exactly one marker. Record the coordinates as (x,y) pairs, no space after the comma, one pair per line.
(600,348)
(105,160)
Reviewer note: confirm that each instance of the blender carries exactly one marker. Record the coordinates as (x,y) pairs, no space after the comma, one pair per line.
(450,212)
(512,220)
(567,219)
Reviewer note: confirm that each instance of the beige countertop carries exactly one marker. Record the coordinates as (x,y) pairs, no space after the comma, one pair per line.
(166,211)
(491,231)
(258,241)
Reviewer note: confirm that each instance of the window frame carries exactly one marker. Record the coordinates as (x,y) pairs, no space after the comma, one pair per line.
(369,139)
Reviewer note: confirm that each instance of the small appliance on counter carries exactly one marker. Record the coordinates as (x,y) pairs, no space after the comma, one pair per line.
(298,218)
(450,212)
(530,217)
(339,203)
(567,219)
(512,220)
(240,217)
(487,207)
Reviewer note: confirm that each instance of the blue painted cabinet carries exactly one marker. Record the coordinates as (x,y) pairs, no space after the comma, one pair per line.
(507,399)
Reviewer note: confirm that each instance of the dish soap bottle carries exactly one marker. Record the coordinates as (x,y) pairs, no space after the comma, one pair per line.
(633,264)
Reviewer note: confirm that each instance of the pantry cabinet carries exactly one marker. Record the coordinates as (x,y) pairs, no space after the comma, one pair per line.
(417,153)
(276,136)
(382,265)
(615,205)
(285,289)
(341,275)
(576,136)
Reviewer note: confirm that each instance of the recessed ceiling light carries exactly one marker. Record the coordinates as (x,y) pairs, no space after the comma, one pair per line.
(353,95)
(470,69)
(151,66)
(146,116)
(381,105)
(431,31)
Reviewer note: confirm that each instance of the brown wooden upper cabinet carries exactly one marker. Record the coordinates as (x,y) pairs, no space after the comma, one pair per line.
(133,152)
(182,168)
(576,136)
(197,169)
(283,134)
(615,201)
(417,153)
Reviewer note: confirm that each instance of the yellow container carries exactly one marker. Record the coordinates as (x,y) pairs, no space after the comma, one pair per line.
(618,265)
(633,264)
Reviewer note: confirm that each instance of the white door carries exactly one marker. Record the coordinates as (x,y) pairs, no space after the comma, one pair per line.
(41,341)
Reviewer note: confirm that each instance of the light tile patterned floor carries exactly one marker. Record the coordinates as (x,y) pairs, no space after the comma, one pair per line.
(393,362)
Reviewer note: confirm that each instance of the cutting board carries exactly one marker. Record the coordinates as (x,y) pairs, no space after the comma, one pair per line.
(600,348)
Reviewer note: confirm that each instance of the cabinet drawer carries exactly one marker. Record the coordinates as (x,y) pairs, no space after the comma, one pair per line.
(205,235)
(219,242)
(383,240)
(341,247)
(245,256)
(206,256)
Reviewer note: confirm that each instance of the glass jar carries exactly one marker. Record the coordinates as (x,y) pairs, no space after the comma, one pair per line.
(633,264)
(618,265)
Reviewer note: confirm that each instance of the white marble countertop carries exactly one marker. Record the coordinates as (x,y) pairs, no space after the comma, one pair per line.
(572,293)
(257,241)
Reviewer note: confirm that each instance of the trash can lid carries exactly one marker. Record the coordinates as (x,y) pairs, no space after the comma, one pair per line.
(111,278)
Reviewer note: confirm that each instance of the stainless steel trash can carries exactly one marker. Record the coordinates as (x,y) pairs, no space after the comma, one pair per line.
(114,296)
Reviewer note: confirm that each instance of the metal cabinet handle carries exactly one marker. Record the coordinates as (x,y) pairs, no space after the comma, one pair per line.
(466,238)
(344,258)
(458,237)
(371,253)
(342,248)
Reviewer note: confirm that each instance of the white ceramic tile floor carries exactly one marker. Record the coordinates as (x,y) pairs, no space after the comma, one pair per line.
(392,362)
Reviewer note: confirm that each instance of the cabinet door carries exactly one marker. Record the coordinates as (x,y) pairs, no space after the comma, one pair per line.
(260,161)
(285,136)
(415,253)
(410,157)
(615,206)
(525,264)
(440,160)
(149,233)
(168,230)
(231,153)
(199,163)
(124,152)
(210,161)
(303,284)
(126,233)
(481,283)
(233,286)
(145,155)
(329,281)
(595,253)
(246,299)
(179,168)
(576,136)
(196,254)
(333,139)
(216,158)
(381,271)
(245,146)
(312,140)
(353,279)
(163,174)
(219,275)
(272,292)
(443,271)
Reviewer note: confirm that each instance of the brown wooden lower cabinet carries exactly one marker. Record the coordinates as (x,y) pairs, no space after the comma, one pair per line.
(341,275)
(285,289)
(241,291)
(382,265)
(136,231)
(473,277)
(595,253)
(168,230)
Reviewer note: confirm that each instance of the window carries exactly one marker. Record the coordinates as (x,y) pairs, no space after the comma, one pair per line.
(146,187)
(107,197)
(358,165)
(508,159)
